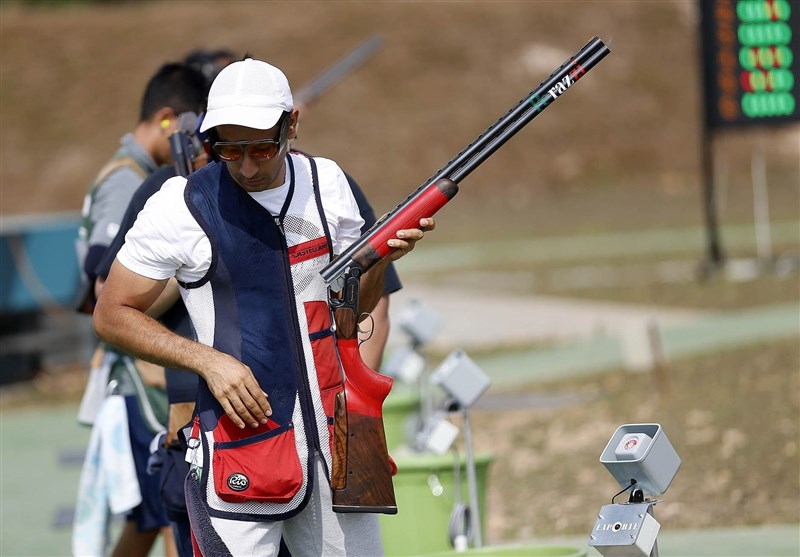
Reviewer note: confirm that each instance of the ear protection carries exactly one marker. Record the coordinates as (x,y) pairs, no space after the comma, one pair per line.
(165,123)
(211,138)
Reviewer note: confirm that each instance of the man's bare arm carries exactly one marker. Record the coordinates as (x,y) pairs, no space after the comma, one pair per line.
(165,300)
(120,320)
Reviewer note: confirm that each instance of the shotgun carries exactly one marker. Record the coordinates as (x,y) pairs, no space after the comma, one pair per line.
(184,144)
(309,93)
(362,469)
(183,153)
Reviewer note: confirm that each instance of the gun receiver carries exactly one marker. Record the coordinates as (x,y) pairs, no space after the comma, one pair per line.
(182,153)
(435,192)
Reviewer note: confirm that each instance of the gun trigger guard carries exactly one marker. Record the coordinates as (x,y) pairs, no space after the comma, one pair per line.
(371,330)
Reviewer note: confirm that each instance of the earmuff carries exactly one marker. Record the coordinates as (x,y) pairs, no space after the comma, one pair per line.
(211,138)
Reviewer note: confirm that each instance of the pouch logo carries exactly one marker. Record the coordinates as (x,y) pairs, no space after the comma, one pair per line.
(238,482)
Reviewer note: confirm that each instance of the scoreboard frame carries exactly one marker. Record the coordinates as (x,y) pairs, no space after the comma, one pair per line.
(751,62)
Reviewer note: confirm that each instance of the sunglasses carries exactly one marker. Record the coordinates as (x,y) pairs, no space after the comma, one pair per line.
(260,150)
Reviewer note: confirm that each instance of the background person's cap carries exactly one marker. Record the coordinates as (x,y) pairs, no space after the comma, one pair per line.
(249,93)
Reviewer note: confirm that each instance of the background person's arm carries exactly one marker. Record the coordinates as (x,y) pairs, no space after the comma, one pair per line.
(373,341)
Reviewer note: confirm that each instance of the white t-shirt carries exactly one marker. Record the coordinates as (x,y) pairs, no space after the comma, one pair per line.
(167,241)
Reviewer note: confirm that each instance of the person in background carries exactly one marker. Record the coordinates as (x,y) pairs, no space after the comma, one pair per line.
(209,62)
(175,92)
(167,467)
(264,405)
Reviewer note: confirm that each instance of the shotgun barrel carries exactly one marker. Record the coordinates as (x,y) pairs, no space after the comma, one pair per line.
(435,192)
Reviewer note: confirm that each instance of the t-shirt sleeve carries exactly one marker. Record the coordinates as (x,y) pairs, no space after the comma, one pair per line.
(165,240)
(150,186)
(391,280)
(109,205)
(341,208)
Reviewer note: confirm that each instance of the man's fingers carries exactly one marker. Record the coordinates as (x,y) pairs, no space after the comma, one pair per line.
(256,401)
(241,409)
(413,234)
(231,413)
(245,410)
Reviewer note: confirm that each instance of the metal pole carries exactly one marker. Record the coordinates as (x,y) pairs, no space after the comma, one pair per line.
(654,551)
(715,259)
(474,513)
(424,381)
(758,173)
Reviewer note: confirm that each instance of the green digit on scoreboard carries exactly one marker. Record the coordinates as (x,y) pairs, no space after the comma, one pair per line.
(752,11)
(765,57)
(780,80)
(760,105)
(767,81)
(764,34)
(783,57)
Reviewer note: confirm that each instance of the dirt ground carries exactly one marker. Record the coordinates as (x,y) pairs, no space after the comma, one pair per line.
(733,418)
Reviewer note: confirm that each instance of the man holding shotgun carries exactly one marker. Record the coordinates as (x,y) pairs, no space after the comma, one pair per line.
(246,238)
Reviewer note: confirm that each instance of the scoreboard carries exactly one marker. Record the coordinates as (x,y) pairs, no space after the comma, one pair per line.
(751,56)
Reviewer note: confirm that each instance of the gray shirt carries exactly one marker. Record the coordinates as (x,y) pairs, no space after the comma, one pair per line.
(106,205)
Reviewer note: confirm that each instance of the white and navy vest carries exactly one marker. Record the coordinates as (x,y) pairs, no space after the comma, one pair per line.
(264,302)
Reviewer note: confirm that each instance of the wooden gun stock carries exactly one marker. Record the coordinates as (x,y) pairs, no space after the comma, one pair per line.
(361,478)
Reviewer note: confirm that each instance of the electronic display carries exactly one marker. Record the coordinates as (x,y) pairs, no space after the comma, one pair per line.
(751,55)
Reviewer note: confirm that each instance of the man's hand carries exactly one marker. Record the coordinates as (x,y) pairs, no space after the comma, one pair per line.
(407,239)
(372,280)
(232,383)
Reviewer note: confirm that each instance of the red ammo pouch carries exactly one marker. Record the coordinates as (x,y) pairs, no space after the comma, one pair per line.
(262,467)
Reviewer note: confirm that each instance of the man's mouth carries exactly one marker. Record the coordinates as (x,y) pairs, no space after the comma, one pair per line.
(253,181)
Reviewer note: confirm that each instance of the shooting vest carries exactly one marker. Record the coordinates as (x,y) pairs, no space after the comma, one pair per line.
(264,302)
(120,160)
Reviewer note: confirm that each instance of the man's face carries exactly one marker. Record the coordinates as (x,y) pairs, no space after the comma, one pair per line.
(251,174)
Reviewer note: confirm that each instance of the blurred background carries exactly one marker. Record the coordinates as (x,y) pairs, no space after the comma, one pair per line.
(578,265)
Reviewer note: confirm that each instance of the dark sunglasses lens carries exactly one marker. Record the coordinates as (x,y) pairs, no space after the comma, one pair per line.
(263,150)
(228,152)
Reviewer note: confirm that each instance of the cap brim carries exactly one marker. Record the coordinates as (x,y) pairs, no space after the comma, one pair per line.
(249,117)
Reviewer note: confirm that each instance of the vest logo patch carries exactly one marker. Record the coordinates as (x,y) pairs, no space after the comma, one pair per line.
(238,482)
(308,250)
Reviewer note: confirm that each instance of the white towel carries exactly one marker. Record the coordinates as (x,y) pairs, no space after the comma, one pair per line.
(108,482)
(96,387)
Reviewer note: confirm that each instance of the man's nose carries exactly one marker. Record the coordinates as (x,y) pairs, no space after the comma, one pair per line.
(249,167)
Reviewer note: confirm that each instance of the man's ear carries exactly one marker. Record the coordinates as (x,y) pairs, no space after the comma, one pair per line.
(165,118)
(294,124)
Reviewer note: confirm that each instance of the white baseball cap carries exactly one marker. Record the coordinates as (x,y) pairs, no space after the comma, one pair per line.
(249,93)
